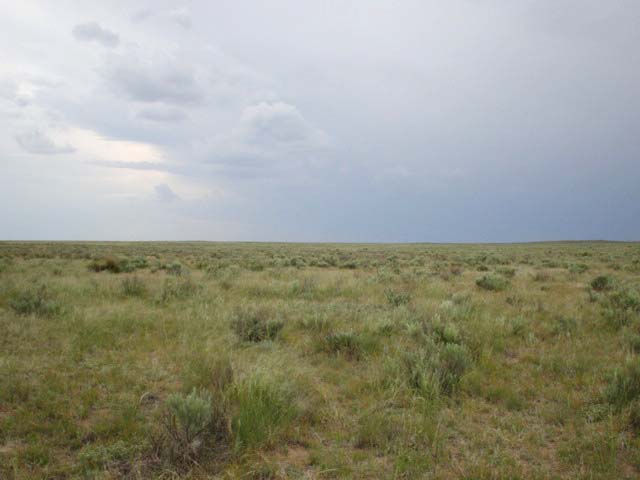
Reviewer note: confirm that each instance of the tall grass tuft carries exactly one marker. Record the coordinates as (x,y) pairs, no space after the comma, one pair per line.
(263,409)
(624,385)
(133,287)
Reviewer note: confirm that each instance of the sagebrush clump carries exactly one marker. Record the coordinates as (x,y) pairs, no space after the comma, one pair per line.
(35,301)
(187,421)
(256,324)
(494,283)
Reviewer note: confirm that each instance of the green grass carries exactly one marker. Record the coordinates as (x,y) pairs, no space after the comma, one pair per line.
(257,360)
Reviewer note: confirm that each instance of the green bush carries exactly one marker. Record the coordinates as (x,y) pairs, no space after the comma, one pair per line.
(36,301)
(492,282)
(187,420)
(397,298)
(176,269)
(446,332)
(255,324)
(621,307)
(110,264)
(602,283)
(577,268)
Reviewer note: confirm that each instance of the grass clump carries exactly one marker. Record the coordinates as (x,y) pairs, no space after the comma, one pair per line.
(492,282)
(255,324)
(133,287)
(624,385)
(113,457)
(348,344)
(177,289)
(431,371)
(397,299)
(454,361)
(263,409)
(35,301)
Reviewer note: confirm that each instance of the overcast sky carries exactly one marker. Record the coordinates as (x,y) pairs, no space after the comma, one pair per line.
(457,120)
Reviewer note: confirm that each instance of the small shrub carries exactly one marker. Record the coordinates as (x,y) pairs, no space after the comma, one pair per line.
(578,268)
(421,372)
(456,270)
(106,456)
(187,420)
(176,269)
(621,307)
(36,301)
(348,344)
(133,287)
(454,361)
(110,264)
(177,289)
(253,324)
(494,283)
(506,271)
(446,332)
(564,326)
(348,265)
(602,283)
(624,385)
(397,299)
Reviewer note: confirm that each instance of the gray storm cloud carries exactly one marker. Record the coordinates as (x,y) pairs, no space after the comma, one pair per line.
(93,32)
(359,121)
(37,142)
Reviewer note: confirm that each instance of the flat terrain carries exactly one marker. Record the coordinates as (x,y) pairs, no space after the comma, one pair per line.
(240,360)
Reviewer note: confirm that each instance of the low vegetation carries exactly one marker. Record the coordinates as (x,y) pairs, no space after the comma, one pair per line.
(212,360)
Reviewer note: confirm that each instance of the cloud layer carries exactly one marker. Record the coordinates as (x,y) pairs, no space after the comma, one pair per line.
(385,121)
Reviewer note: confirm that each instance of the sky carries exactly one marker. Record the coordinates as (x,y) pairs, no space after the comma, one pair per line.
(327,121)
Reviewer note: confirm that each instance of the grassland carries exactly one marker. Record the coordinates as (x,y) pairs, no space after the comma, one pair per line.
(207,360)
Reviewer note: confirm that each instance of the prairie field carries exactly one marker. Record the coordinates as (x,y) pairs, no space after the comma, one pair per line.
(264,360)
